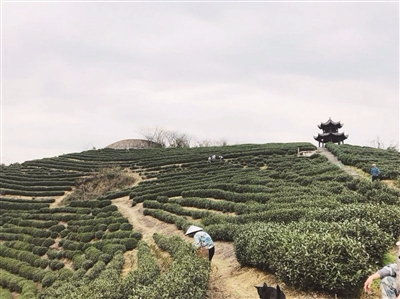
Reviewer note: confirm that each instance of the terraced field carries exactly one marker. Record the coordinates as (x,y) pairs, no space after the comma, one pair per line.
(265,206)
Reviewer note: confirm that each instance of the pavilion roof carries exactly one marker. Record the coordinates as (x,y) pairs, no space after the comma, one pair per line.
(329,123)
(331,136)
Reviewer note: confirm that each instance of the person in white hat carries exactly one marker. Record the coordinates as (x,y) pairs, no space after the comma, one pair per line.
(201,240)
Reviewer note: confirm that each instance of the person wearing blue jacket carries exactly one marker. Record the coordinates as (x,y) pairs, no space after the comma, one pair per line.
(375,172)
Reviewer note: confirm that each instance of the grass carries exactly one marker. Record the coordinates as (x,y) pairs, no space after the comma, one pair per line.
(390,257)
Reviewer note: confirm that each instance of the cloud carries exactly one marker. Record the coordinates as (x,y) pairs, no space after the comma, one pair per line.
(83,75)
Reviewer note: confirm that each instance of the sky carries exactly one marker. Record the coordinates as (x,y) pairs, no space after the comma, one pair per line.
(77,75)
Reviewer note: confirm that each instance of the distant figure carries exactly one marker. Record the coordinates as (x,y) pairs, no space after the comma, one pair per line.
(266,292)
(202,240)
(220,158)
(214,157)
(209,159)
(375,172)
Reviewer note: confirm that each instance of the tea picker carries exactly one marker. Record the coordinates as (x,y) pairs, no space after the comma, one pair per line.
(202,240)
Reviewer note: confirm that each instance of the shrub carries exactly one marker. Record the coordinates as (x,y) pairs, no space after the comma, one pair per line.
(64,233)
(126,226)
(77,261)
(5,294)
(41,262)
(38,250)
(113,248)
(130,243)
(95,271)
(145,274)
(56,265)
(92,253)
(105,257)
(48,279)
(113,227)
(87,264)
(333,262)
(99,234)
(64,274)
(48,242)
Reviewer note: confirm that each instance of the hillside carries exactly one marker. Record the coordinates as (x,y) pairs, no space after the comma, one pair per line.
(78,208)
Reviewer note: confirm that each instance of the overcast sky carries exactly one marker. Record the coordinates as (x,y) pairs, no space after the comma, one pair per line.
(78,75)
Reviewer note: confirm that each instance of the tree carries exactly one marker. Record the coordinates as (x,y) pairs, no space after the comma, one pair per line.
(176,139)
(377,143)
(155,135)
(393,148)
(167,138)
(208,143)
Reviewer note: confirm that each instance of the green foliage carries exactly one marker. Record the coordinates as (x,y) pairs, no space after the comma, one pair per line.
(5,294)
(363,157)
(306,206)
(333,262)
(187,277)
(222,232)
(56,265)
(145,274)
(48,279)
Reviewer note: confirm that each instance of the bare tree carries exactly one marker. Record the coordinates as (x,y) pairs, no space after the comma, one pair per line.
(377,143)
(166,138)
(170,137)
(208,143)
(157,135)
(176,139)
(393,147)
(204,143)
(222,142)
(183,140)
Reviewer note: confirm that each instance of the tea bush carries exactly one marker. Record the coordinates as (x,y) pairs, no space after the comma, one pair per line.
(317,210)
(307,260)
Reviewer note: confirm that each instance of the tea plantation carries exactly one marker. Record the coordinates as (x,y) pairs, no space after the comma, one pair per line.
(300,217)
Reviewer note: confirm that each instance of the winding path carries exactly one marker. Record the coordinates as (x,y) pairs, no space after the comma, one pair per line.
(332,158)
(228,279)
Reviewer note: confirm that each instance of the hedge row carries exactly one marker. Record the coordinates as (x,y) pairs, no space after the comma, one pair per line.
(145,274)
(30,201)
(34,232)
(362,157)
(26,187)
(22,269)
(334,262)
(32,259)
(175,209)
(15,283)
(31,193)
(6,205)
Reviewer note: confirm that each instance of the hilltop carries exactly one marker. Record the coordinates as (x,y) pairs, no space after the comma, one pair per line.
(165,190)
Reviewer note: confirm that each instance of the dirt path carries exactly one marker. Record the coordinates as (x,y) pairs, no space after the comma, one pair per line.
(353,171)
(228,279)
(332,158)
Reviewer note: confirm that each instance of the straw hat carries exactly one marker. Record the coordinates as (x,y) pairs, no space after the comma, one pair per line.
(193,229)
